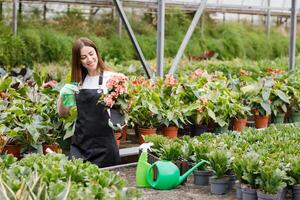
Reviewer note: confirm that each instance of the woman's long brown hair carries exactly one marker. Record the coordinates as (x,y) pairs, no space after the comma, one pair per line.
(78,71)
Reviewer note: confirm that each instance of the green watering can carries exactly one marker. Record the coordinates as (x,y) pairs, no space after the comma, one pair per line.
(168,175)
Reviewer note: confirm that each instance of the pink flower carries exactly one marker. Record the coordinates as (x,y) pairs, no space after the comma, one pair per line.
(109,101)
(170,80)
(200,109)
(114,95)
(197,73)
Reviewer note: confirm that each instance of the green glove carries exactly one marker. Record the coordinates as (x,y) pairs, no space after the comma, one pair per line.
(68,89)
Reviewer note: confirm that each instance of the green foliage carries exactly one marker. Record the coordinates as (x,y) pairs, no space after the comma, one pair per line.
(220,161)
(32,40)
(271,179)
(56,46)
(229,40)
(171,151)
(56,177)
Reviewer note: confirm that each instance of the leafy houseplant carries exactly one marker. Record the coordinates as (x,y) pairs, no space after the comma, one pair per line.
(271,178)
(220,161)
(173,112)
(144,109)
(259,95)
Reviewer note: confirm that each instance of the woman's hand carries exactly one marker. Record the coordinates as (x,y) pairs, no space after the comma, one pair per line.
(68,89)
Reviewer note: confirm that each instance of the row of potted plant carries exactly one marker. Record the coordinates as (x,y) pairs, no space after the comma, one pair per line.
(28,121)
(264,162)
(202,99)
(54,176)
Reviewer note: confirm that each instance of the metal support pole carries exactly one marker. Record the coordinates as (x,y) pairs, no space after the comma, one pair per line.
(20,11)
(119,24)
(268,21)
(293,34)
(45,12)
(187,37)
(133,39)
(160,38)
(1,11)
(15,16)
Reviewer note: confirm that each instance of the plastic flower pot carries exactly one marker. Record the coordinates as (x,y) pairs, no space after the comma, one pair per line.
(295,117)
(53,147)
(118,136)
(145,131)
(13,149)
(219,186)
(261,121)
(232,179)
(279,118)
(197,130)
(202,177)
(170,132)
(220,129)
(296,192)
(124,133)
(263,196)
(249,194)
(183,167)
(239,124)
(238,190)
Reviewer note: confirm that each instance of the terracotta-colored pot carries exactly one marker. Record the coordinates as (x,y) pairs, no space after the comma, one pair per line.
(13,149)
(124,133)
(261,121)
(239,124)
(145,131)
(170,132)
(53,147)
(118,136)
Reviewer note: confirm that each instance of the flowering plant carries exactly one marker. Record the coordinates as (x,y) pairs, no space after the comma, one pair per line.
(117,96)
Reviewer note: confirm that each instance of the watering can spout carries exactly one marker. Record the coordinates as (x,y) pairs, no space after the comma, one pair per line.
(185,175)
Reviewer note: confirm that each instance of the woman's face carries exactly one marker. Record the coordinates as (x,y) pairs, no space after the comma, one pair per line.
(89,59)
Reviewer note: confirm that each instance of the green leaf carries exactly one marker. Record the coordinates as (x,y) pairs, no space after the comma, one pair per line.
(266,94)
(4,84)
(64,194)
(37,79)
(211,114)
(266,106)
(282,96)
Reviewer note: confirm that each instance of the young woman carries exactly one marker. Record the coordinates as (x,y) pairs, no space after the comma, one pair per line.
(93,139)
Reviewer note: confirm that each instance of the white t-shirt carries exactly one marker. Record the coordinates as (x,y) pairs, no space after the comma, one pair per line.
(92,82)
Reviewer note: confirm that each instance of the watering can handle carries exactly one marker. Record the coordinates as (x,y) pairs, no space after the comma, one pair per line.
(149,177)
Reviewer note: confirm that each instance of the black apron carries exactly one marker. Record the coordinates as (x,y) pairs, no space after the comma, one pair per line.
(93,139)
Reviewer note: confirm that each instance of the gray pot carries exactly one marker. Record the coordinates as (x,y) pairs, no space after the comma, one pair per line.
(219,186)
(238,190)
(263,196)
(279,118)
(232,179)
(249,194)
(202,177)
(282,193)
(296,192)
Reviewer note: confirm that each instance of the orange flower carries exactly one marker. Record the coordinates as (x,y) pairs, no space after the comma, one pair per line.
(170,80)
(244,72)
